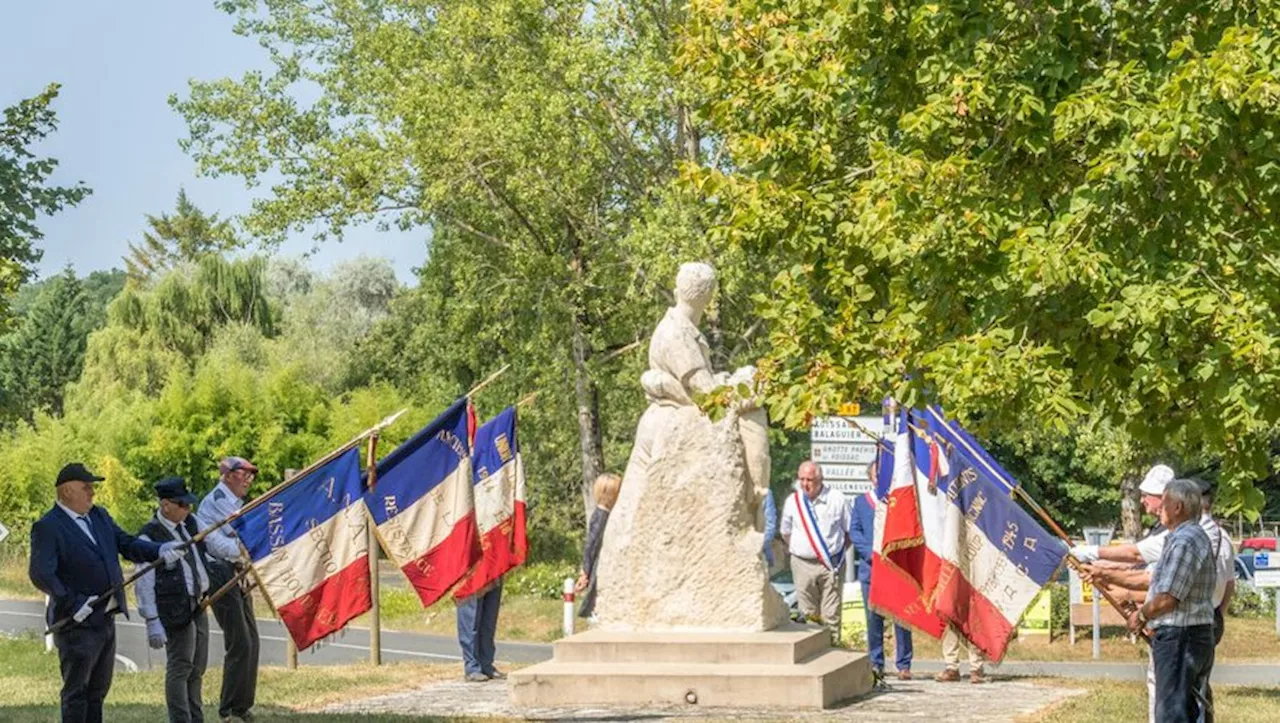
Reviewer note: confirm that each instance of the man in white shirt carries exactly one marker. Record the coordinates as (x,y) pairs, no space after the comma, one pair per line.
(234,610)
(169,600)
(815,523)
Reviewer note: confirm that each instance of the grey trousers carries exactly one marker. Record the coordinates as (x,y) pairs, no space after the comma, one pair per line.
(186,653)
(818,593)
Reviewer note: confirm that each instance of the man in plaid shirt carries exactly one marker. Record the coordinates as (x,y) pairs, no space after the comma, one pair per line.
(1179,607)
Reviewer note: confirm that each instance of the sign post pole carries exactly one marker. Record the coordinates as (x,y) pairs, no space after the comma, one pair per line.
(1097,536)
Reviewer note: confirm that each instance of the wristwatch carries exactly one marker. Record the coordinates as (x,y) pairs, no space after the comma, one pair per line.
(1142,617)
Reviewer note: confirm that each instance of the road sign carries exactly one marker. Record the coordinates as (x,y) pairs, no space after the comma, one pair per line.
(1267,578)
(4,532)
(844,450)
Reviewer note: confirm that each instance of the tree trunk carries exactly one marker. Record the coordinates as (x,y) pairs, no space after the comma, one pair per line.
(688,140)
(1130,507)
(587,399)
(586,394)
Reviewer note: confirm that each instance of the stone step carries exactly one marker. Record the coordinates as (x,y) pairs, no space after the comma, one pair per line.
(820,682)
(786,645)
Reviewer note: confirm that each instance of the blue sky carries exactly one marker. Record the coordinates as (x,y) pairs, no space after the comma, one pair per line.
(118,62)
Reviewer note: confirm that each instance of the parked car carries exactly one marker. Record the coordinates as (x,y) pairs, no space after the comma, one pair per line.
(1244,569)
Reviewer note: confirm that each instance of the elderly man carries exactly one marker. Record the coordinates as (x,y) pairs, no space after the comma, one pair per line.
(815,523)
(75,558)
(1147,550)
(1179,607)
(1138,581)
(169,600)
(234,610)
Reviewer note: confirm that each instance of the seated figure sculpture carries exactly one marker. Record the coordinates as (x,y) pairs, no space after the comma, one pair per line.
(682,551)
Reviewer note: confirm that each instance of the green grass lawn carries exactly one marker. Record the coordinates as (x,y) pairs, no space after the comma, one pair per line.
(1127,702)
(29,685)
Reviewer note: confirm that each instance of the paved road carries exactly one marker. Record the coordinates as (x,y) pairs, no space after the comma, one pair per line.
(131,643)
(20,616)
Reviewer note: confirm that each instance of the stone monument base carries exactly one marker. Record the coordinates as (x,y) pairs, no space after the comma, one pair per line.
(790,667)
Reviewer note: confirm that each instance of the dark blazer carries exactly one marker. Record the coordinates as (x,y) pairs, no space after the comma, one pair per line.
(862,532)
(69,568)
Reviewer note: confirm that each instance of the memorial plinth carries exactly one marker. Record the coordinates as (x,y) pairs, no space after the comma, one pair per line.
(790,667)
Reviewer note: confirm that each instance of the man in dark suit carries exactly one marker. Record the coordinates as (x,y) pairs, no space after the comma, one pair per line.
(75,558)
(862,533)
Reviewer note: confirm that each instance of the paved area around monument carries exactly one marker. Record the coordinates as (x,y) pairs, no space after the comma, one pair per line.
(916,700)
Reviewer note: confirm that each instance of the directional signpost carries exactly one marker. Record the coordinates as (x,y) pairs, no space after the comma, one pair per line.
(1266,573)
(844,451)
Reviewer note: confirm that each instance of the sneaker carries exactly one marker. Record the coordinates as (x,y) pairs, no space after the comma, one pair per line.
(978,677)
(476,678)
(496,674)
(904,674)
(949,675)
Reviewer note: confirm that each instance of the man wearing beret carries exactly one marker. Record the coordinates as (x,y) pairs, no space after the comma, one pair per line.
(234,610)
(75,559)
(169,599)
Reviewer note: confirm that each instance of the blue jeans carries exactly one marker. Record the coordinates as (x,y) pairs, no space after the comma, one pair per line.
(875,636)
(477,625)
(1181,659)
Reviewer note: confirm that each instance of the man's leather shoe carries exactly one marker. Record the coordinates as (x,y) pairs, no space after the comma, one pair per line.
(977,677)
(904,674)
(476,678)
(949,675)
(496,674)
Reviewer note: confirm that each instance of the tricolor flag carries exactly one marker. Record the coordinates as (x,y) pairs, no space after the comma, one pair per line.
(309,548)
(995,556)
(931,468)
(498,472)
(898,566)
(422,505)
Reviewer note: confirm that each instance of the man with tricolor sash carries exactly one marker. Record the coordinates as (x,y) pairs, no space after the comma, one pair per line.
(815,523)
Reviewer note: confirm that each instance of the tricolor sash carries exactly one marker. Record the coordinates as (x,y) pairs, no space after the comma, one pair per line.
(809,521)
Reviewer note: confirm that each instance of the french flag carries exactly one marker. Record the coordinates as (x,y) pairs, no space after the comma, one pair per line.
(899,556)
(995,556)
(498,472)
(422,505)
(309,548)
(931,468)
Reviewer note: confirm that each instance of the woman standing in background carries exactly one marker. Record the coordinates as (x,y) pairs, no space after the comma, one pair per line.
(606,494)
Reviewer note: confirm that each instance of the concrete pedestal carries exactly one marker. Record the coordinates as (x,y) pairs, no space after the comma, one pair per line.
(791,667)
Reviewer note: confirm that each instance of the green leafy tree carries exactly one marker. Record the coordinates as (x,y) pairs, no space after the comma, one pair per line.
(24,193)
(47,351)
(537,140)
(1024,210)
(186,236)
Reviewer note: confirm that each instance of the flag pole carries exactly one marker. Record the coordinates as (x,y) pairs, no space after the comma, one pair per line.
(375,611)
(199,536)
(488,380)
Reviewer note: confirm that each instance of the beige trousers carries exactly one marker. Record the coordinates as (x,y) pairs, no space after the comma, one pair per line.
(818,592)
(952,641)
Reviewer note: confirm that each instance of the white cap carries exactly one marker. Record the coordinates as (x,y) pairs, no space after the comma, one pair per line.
(1158,477)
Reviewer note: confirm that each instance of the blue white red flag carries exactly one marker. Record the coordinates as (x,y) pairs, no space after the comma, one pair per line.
(898,565)
(422,505)
(995,556)
(498,473)
(309,549)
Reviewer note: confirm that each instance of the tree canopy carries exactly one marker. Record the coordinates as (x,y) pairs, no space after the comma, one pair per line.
(1024,211)
(24,190)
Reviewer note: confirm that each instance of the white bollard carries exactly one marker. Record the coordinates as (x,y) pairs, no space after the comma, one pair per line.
(568,606)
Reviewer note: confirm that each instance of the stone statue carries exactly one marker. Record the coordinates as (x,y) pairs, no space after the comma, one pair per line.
(682,549)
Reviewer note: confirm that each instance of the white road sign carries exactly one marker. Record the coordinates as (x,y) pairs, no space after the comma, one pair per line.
(844,451)
(4,532)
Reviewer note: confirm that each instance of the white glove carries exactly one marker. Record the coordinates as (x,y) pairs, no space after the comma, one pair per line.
(1085,553)
(155,634)
(170,553)
(85,610)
